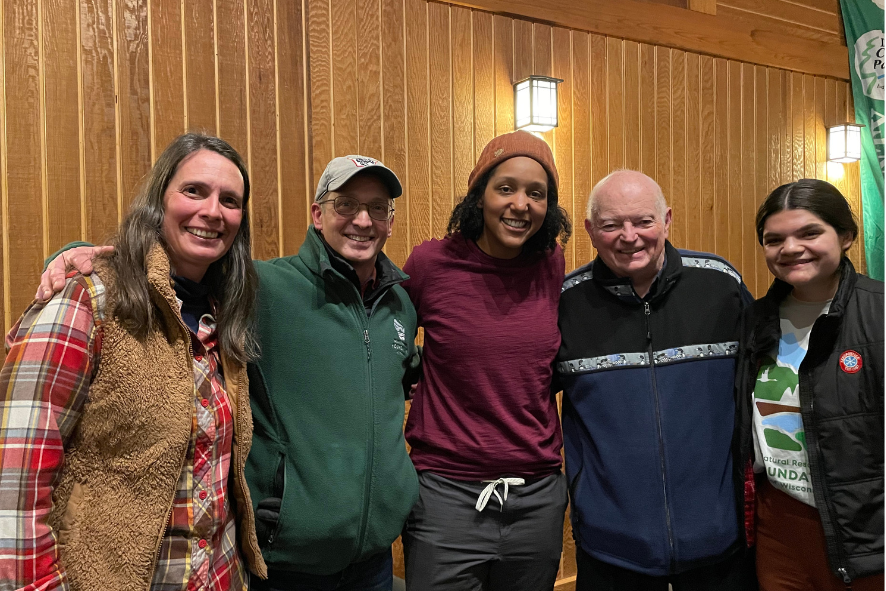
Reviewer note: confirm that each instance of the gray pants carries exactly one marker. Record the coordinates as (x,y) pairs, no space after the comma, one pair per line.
(450,546)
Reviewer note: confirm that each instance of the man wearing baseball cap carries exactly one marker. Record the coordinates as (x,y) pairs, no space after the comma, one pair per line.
(328,472)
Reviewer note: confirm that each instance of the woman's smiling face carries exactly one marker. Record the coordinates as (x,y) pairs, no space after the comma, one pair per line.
(805,251)
(203,208)
(514,206)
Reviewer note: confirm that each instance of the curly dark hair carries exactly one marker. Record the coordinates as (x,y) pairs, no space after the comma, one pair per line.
(467,218)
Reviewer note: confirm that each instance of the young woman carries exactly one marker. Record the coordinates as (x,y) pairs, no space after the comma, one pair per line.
(483,426)
(124,416)
(811,406)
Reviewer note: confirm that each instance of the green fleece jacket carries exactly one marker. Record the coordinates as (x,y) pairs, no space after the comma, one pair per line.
(328,411)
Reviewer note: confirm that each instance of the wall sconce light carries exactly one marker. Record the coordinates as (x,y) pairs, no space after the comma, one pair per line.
(535,103)
(844,142)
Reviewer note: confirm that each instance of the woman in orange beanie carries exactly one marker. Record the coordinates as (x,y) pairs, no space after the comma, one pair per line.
(484,427)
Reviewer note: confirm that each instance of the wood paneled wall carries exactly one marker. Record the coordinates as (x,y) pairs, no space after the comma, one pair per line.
(717,134)
(94,90)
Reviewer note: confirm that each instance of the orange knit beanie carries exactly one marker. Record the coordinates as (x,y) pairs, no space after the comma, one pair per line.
(510,145)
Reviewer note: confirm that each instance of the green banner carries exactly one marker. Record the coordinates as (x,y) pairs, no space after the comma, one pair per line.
(863,20)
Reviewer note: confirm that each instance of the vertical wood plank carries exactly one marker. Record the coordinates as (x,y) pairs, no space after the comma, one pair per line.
(761,168)
(441,117)
(721,159)
(798,127)
(25,197)
(707,154)
(836,172)
(632,85)
(615,119)
(663,107)
(523,50)
(231,96)
(693,236)
(62,128)
(570,199)
(819,130)
(133,88)
(369,78)
(678,148)
(484,81)
(600,132)
(835,175)
(167,75)
(748,176)
(417,121)
(320,62)
(809,126)
(263,129)
(734,195)
(393,71)
(853,185)
(199,39)
(787,130)
(344,77)
(99,119)
(503,59)
(775,102)
(647,110)
(581,133)
(295,194)
(542,62)
(462,100)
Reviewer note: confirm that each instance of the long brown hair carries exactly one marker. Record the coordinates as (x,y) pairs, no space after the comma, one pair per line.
(232,280)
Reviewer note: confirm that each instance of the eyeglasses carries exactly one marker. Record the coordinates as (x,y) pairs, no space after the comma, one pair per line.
(349,206)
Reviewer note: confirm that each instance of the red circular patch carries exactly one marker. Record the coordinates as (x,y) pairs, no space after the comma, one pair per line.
(850,361)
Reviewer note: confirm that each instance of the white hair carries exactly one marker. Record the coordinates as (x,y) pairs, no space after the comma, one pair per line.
(661,204)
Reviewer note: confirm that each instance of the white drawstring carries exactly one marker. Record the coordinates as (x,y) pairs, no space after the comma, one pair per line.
(490,489)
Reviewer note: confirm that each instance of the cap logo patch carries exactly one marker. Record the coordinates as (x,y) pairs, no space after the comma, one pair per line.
(361,162)
(498,152)
(850,361)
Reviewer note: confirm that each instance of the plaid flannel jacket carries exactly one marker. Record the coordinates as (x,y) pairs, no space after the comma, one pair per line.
(54,351)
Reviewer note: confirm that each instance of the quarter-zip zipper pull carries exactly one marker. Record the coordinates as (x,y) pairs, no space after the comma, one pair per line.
(648,332)
(368,347)
(846,580)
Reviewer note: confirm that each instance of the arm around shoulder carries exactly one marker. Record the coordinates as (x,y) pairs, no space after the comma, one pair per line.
(44,384)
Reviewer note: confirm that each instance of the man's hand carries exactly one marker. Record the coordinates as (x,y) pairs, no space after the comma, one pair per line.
(77,259)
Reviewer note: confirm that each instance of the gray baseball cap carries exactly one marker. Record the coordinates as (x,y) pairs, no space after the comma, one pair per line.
(341,169)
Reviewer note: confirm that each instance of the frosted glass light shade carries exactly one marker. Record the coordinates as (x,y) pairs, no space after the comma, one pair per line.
(535,103)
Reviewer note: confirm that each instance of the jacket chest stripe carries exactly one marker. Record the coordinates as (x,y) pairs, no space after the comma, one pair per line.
(663,357)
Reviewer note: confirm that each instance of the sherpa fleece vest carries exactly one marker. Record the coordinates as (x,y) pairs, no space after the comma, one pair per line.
(112,503)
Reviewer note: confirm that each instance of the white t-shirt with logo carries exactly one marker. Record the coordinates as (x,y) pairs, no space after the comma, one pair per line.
(779,437)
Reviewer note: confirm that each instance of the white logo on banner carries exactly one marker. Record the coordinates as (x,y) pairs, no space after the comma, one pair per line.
(869,60)
(878,3)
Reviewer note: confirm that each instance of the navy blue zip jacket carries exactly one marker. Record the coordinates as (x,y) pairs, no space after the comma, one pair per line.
(648,412)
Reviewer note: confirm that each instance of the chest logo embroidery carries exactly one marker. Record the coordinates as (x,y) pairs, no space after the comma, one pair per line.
(401,332)
(850,361)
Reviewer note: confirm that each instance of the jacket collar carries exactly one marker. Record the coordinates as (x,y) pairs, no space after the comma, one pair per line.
(622,288)
(779,290)
(159,275)
(766,309)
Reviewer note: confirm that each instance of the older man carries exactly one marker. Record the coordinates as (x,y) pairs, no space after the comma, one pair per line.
(328,470)
(647,361)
